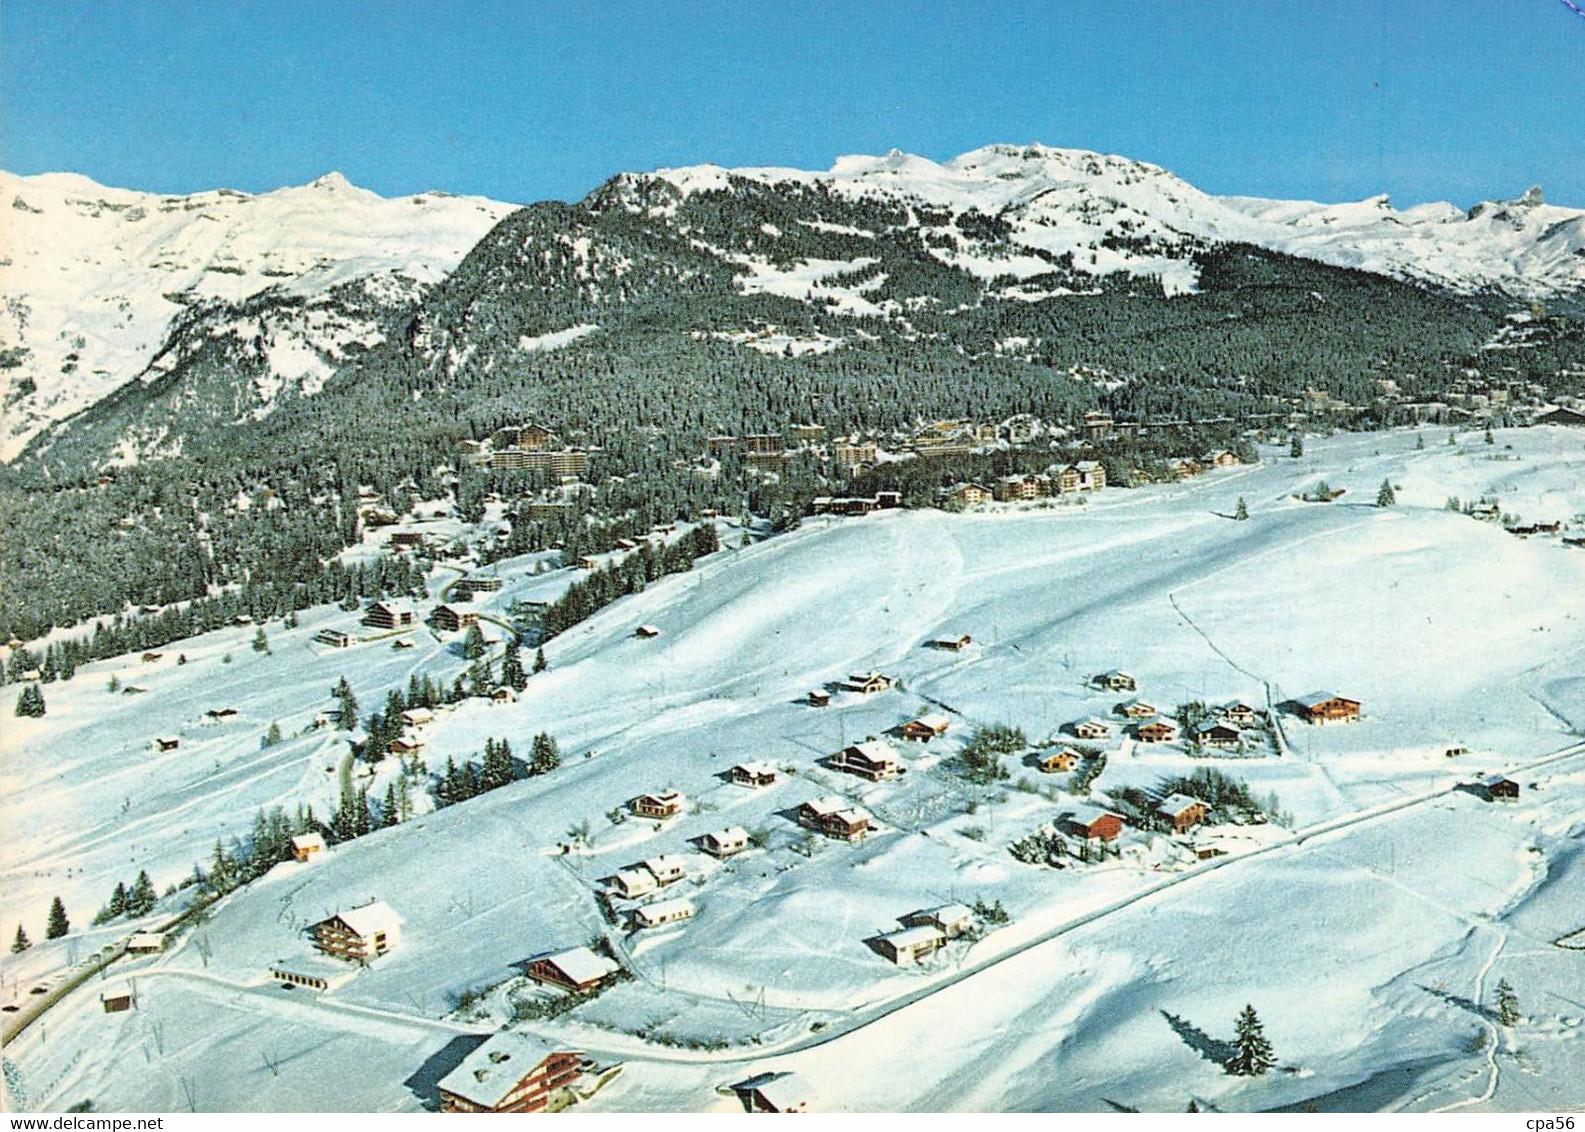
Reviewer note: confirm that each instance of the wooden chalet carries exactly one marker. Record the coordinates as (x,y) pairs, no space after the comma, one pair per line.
(406,540)
(1156,731)
(166,743)
(658,806)
(504,695)
(1238,712)
(417,717)
(1498,787)
(663,912)
(116,1002)
(588,563)
(145,943)
(924,729)
(632,883)
(1060,761)
(218,714)
(390,615)
(911,945)
(1183,812)
(307,846)
(953,644)
(579,970)
(819,697)
(872,759)
(1326,707)
(667,869)
(647,632)
(1222,458)
(1136,709)
(450,620)
(1095,824)
(1092,729)
(511,1072)
(869,682)
(726,842)
(951,920)
(968,494)
(361,934)
(835,817)
(1216,733)
(406,745)
(1115,680)
(335,638)
(753,774)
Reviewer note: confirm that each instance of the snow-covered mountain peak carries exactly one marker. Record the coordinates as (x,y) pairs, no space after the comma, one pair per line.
(95,276)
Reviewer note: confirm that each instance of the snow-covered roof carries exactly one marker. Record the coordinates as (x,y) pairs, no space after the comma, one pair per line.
(668,863)
(1206,726)
(944,914)
(308,841)
(631,880)
(666,909)
(493,1070)
(393,606)
(729,836)
(1494,779)
(582,965)
(1315,699)
(757,768)
(935,721)
(827,804)
(1089,815)
(876,750)
(377,916)
(913,937)
(1176,804)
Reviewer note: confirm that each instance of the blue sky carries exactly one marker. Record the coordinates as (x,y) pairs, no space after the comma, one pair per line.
(1422,99)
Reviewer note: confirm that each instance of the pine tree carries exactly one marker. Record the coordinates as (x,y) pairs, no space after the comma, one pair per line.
(140,901)
(261,643)
(30,703)
(114,684)
(118,900)
(58,924)
(497,770)
(1507,1004)
(1296,447)
(21,943)
(473,646)
(1419,442)
(539,660)
(272,737)
(512,674)
(545,756)
(388,811)
(1253,1056)
(1385,496)
(1490,439)
(347,717)
(1241,511)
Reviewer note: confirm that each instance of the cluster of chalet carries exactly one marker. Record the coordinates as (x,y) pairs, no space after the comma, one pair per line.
(923,933)
(645,877)
(856,504)
(1185,467)
(1084,475)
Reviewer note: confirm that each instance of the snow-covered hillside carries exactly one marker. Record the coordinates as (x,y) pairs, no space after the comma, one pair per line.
(94,277)
(1112,213)
(1399,902)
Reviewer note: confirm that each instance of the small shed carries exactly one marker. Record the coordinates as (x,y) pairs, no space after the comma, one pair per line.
(819,697)
(925,728)
(167,743)
(646,631)
(307,846)
(1498,787)
(145,943)
(953,644)
(116,1002)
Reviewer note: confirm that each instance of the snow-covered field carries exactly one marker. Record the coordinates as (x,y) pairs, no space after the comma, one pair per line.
(1370,945)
